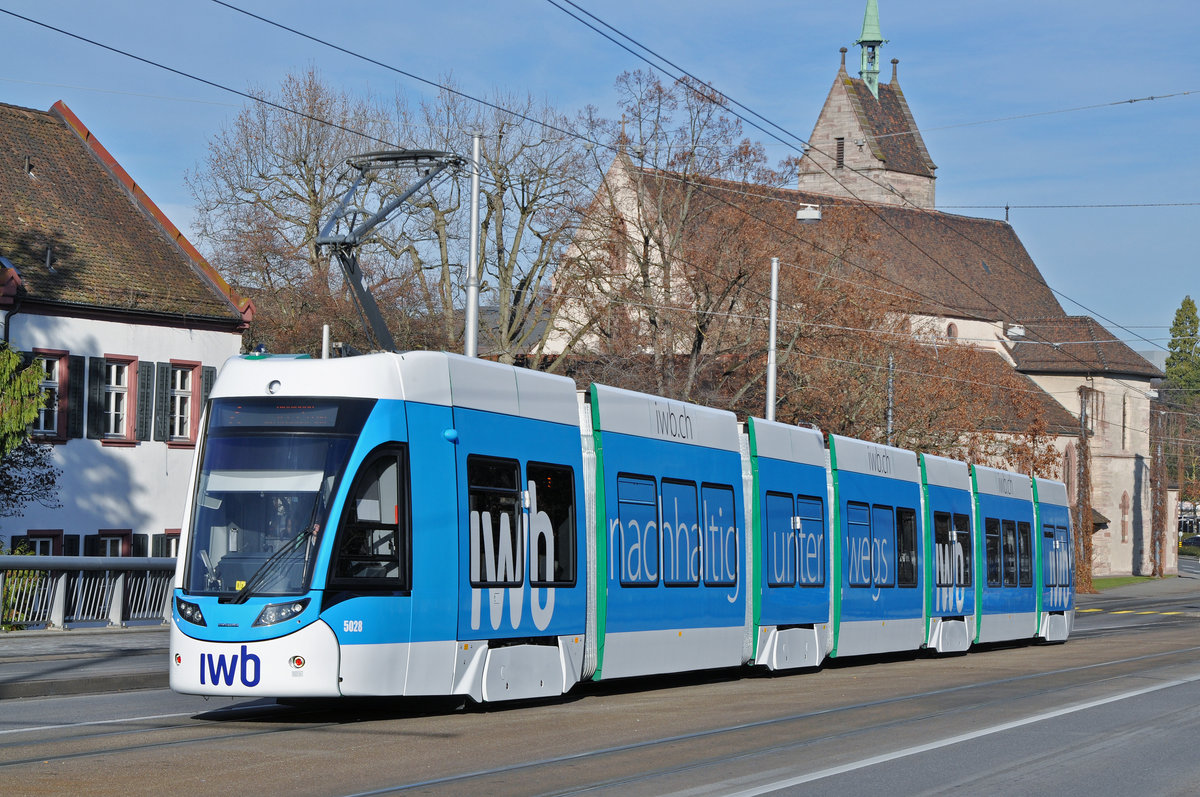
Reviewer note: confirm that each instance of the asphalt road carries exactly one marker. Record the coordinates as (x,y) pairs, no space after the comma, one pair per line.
(1113,711)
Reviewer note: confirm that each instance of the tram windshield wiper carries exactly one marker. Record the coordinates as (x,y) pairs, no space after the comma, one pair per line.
(270,567)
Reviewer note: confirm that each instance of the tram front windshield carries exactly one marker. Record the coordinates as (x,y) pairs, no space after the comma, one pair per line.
(267,477)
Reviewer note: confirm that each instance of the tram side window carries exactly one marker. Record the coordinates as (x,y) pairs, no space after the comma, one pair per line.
(906,547)
(780,543)
(374,541)
(494,496)
(943,550)
(1025,556)
(1010,552)
(720,547)
(1056,556)
(811,542)
(1049,571)
(633,541)
(1066,556)
(680,534)
(962,530)
(858,544)
(551,524)
(991,532)
(883,537)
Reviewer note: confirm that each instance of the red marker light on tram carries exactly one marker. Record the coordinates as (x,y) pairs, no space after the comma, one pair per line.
(297,662)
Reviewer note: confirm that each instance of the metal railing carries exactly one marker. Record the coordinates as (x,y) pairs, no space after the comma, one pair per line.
(61,591)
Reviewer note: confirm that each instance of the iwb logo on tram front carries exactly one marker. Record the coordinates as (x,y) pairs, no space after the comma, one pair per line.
(220,668)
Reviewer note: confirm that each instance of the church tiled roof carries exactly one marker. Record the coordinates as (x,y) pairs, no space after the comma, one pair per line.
(1077,345)
(955,266)
(889,125)
(80,232)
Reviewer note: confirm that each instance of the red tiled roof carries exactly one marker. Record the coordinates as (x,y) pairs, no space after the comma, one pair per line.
(81,232)
(955,266)
(1077,345)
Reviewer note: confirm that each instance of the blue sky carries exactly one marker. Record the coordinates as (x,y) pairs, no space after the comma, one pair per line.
(961,63)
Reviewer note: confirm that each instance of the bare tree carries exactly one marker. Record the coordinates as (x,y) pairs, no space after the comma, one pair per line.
(273,177)
(647,285)
(268,183)
(533,175)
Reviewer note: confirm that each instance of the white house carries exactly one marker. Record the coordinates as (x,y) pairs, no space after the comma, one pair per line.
(128,324)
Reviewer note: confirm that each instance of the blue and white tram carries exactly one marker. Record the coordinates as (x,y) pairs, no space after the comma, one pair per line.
(878,605)
(1056,612)
(790,545)
(1004,520)
(387,524)
(429,524)
(671,593)
(950,592)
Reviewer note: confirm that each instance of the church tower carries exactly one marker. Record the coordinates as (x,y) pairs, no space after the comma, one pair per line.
(870,40)
(866,144)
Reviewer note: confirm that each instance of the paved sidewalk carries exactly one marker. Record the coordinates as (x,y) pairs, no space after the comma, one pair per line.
(1171,587)
(85,660)
(89,660)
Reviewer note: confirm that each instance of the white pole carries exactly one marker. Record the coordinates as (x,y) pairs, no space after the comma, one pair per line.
(325,342)
(470,333)
(771,340)
(891,397)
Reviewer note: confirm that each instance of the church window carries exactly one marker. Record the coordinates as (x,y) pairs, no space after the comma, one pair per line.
(1125,422)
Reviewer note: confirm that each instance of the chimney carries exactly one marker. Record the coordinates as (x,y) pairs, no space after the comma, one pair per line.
(895,62)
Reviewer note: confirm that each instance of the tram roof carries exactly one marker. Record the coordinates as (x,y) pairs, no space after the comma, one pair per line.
(991,481)
(945,472)
(785,442)
(440,378)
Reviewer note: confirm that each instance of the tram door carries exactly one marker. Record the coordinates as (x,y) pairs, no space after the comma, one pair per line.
(370,579)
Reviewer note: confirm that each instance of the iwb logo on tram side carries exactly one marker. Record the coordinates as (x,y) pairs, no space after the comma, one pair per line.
(221,669)
(500,558)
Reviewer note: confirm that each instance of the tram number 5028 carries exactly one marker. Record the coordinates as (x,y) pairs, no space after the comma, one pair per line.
(351,626)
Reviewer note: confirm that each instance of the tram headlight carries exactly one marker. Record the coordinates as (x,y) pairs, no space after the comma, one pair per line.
(278,612)
(190,612)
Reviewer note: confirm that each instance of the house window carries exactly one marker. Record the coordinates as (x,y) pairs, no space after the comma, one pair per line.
(952,330)
(44,542)
(120,399)
(841,152)
(179,417)
(46,424)
(116,399)
(182,388)
(61,379)
(165,544)
(110,542)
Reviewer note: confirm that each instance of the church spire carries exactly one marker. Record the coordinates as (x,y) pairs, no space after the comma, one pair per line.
(871,39)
